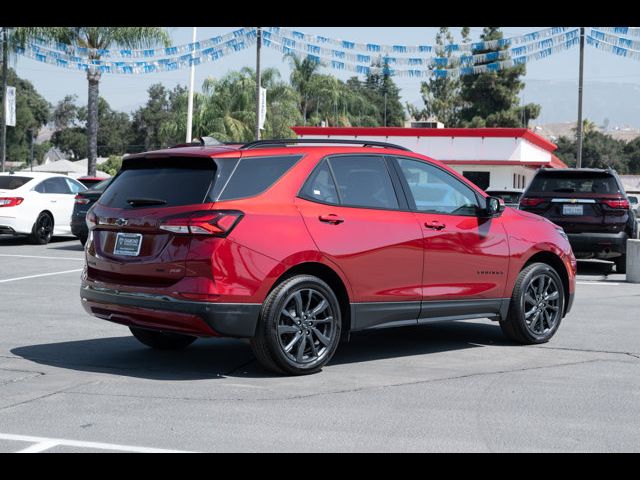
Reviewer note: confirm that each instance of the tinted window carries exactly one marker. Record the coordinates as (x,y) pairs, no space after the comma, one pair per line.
(176,181)
(253,175)
(364,181)
(320,185)
(11,182)
(75,186)
(574,182)
(54,185)
(223,172)
(436,191)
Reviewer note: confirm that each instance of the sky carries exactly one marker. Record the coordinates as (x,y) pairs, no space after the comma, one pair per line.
(128,92)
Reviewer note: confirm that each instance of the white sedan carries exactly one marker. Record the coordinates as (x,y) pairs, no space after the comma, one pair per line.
(37,204)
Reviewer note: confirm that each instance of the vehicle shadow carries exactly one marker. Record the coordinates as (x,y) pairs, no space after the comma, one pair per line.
(16,240)
(595,268)
(76,246)
(222,357)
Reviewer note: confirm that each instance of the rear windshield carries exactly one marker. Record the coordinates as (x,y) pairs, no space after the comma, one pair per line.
(574,182)
(508,197)
(11,182)
(172,181)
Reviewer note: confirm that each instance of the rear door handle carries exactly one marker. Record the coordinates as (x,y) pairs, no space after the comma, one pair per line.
(435,225)
(331,218)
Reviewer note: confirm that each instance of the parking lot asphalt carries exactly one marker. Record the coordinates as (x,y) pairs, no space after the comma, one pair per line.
(70,382)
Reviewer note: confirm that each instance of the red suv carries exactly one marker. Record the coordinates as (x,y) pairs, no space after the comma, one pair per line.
(295,244)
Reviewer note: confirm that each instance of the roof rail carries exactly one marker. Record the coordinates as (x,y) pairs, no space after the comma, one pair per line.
(201,142)
(288,141)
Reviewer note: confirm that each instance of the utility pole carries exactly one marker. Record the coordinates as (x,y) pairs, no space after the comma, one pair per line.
(5,72)
(258,80)
(190,102)
(580,79)
(33,139)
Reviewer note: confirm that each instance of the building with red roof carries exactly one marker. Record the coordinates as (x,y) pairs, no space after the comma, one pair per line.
(496,158)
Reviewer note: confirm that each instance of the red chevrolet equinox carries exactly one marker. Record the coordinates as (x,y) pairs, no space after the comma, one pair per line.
(294,244)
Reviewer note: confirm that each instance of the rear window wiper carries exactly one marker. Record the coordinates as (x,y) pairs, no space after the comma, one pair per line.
(565,190)
(136,202)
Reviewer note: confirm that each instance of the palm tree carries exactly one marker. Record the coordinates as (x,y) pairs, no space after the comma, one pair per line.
(100,38)
(226,108)
(303,74)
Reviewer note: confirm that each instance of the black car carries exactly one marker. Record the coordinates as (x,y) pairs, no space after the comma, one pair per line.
(591,206)
(83,202)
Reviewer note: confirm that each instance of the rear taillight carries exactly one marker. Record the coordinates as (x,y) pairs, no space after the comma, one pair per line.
(217,223)
(531,201)
(91,220)
(81,200)
(618,204)
(10,201)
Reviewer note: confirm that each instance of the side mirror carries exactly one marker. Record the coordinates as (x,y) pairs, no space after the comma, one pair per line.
(494,207)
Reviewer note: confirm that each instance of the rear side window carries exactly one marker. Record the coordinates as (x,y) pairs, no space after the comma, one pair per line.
(54,185)
(254,175)
(364,181)
(11,182)
(174,181)
(320,186)
(574,182)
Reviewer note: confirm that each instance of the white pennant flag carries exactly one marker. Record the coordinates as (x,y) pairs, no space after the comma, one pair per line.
(263,107)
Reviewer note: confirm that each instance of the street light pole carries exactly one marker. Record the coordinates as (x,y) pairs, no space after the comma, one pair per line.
(580,81)
(190,102)
(5,72)
(258,80)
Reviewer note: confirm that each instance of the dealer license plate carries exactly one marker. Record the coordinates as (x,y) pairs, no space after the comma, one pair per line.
(128,244)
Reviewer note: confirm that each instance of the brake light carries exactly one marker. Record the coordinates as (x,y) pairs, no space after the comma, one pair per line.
(10,201)
(531,201)
(91,220)
(618,204)
(81,200)
(217,223)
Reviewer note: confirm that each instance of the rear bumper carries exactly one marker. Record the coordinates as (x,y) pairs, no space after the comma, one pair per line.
(160,312)
(602,245)
(79,226)
(14,224)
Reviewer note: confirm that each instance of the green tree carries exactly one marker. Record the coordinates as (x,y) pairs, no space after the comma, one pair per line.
(71,122)
(225,109)
(96,39)
(381,90)
(491,99)
(112,165)
(149,121)
(441,95)
(599,151)
(32,113)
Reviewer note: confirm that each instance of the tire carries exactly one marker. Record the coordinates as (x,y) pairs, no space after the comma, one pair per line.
(162,340)
(42,229)
(528,326)
(621,264)
(299,326)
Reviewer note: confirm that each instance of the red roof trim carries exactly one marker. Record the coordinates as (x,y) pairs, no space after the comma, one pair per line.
(557,163)
(495,162)
(525,133)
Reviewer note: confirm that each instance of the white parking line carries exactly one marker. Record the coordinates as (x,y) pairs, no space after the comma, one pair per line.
(598,283)
(39,256)
(45,443)
(40,275)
